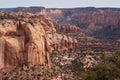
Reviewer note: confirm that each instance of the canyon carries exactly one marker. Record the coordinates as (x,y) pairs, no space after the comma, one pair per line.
(38,43)
(97,22)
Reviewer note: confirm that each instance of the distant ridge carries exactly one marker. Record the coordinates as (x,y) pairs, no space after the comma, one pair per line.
(97,22)
(40,7)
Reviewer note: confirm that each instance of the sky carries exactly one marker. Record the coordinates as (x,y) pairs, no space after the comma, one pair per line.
(60,3)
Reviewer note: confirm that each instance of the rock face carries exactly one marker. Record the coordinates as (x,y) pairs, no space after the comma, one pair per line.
(97,22)
(68,28)
(24,44)
(2,43)
(61,42)
(29,39)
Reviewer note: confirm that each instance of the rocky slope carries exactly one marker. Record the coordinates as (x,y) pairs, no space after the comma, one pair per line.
(98,22)
(29,39)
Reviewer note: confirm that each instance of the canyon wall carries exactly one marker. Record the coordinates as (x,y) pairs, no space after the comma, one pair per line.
(97,22)
(28,39)
(23,43)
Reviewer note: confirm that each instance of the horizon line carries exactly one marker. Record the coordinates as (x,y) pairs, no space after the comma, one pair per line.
(60,7)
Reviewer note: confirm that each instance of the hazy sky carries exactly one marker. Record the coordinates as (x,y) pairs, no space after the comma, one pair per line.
(60,3)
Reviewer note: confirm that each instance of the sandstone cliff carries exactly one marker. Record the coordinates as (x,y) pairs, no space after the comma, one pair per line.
(23,43)
(97,22)
(67,28)
(29,39)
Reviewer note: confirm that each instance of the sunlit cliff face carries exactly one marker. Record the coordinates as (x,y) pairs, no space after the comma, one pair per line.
(29,40)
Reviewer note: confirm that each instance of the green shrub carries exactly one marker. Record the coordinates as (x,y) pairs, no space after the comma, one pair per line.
(108,68)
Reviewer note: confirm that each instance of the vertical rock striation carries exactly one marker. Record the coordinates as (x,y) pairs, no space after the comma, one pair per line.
(29,39)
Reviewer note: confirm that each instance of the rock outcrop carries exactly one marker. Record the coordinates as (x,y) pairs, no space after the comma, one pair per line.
(61,42)
(29,39)
(97,22)
(68,28)
(23,43)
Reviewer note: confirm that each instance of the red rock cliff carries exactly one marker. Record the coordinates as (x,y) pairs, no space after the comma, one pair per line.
(29,39)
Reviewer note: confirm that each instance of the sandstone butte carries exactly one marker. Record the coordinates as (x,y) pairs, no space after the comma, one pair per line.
(29,39)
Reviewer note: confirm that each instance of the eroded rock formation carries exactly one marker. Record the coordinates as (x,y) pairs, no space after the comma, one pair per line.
(68,28)
(24,43)
(97,22)
(29,39)
(61,42)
